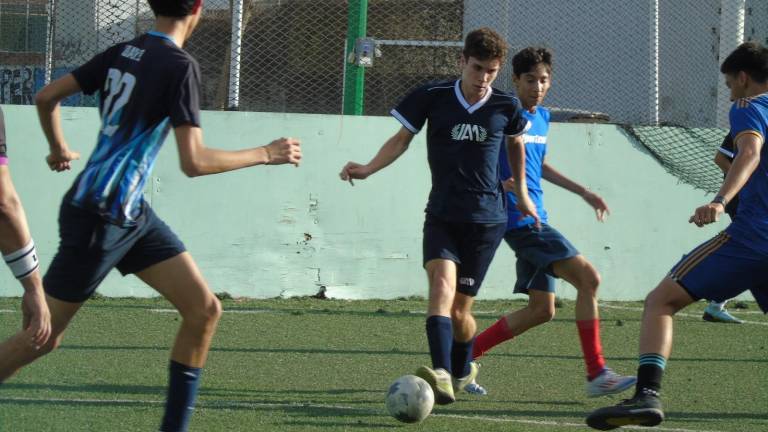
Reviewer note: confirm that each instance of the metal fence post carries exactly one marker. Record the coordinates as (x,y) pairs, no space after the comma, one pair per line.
(354,76)
(236,49)
(654,49)
(731,35)
(51,25)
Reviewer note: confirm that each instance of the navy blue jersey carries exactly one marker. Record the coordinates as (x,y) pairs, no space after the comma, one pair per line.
(535,152)
(729,150)
(463,144)
(2,135)
(146,86)
(750,116)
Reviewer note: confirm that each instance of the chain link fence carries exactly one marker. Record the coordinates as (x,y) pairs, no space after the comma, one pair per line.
(642,62)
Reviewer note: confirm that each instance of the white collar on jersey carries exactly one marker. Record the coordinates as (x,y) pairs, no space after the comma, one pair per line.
(471,108)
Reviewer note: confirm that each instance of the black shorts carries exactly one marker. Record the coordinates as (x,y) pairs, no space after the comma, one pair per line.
(90,247)
(470,245)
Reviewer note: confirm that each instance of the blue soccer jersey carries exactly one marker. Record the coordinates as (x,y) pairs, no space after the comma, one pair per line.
(535,151)
(463,145)
(750,116)
(146,86)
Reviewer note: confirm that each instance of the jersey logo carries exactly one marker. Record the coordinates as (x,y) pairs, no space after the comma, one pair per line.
(468,132)
(133,53)
(535,139)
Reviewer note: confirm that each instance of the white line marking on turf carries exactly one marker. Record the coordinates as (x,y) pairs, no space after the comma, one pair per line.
(240,404)
(7,311)
(683,314)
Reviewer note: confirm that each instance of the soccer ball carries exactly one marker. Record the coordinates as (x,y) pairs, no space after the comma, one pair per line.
(410,399)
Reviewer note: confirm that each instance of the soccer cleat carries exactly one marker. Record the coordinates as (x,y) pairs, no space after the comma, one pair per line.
(717,315)
(476,389)
(608,383)
(441,383)
(461,383)
(642,410)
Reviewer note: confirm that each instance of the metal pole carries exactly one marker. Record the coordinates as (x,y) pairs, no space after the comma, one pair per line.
(654,51)
(731,36)
(49,41)
(354,76)
(235,55)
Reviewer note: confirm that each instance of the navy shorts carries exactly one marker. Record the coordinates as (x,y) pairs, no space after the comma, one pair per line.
(470,245)
(536,250)
(721,269)
(90,247)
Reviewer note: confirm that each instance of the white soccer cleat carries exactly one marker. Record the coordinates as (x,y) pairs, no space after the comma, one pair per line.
(608,383)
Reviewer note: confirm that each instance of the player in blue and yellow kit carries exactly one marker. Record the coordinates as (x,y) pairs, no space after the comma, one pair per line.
(20,254)
(146,87)
(468,122)
(543,254)
(734,261)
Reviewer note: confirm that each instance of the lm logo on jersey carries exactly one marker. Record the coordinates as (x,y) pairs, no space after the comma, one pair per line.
(469,132)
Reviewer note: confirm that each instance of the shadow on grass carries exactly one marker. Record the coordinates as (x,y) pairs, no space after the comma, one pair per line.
(393,351)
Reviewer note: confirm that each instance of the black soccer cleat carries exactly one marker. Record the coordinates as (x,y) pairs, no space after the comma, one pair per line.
(642,410)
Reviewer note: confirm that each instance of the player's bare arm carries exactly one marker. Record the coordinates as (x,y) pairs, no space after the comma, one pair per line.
(516,156)
(745,163)
(722,162)
(48,102)
(389,152)
(198,160)
(550,174)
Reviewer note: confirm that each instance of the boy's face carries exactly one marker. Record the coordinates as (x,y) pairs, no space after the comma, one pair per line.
(478,75)
(737,83)
(533,85)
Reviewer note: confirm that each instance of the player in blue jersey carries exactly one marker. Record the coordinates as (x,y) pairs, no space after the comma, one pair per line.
(734,261)
(20,254)
(468,122)
(146,87)
(716,311)
(543,254)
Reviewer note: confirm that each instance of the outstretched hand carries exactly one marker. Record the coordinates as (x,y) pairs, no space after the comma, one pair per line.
(61,160)
(598,203)
(284,151)
(707,214)
(36,317)
(354,170)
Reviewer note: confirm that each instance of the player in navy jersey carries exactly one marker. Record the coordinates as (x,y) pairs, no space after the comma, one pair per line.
(146,87)
(716,311)
(468,122)
(732,262)
(19,253)
(543,254)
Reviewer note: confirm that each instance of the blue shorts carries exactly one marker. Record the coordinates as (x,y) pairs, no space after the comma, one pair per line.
(536,250)
(470,245)
(721,269)
(91,247)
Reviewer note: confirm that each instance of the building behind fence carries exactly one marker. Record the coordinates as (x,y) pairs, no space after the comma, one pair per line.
(638,61)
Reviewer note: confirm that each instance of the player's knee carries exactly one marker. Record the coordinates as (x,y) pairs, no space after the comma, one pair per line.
(543,313)
(54,342)
(589,281)
(206,315)
(459,314)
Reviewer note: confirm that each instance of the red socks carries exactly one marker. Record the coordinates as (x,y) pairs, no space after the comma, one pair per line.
(492,336)
(589,333)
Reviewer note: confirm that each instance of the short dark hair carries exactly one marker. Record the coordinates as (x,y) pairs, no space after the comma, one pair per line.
(485,44)
(527,58)
(749,57)
(174,8)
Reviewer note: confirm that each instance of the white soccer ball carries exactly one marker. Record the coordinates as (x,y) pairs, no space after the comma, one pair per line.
(410,399)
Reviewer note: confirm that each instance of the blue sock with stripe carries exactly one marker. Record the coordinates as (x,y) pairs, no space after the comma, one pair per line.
(649,374)
(461,356)
(440,338)
(182,392)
